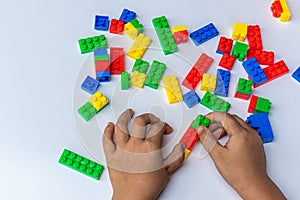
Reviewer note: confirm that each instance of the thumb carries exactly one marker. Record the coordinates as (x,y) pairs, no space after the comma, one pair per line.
(175,158)
(210,143)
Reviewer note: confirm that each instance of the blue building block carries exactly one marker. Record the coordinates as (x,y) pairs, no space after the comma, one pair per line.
(90,85)
(191,98)
(296,75)
(127,15)
(100,52)
(204,34)
(103,76)
(261,123)
(223,79)
(255,71)
(101,23)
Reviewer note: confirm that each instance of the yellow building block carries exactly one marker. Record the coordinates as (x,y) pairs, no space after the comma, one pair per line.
(285,15)
(178,28)
(98,100)
(239,31)
(138,79)
(139,46)
(186,153)
(208,82)
(172,89)
(131,31)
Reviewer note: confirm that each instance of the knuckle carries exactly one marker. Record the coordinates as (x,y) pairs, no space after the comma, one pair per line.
(139,120)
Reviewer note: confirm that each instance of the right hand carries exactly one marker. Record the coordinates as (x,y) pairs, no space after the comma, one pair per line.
(242,161)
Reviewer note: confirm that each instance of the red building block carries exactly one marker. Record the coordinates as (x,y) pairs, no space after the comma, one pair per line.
(181,36)
(225,45)
(190,138)
(263,57)
(276,9)
(276,70)
(116,26)
(192,79)
(227,61)
(101,65)
(203,63)
(254,37)
(252,104)
(116,60)
(241,96)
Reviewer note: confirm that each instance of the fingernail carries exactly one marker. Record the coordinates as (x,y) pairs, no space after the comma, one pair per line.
(200,129)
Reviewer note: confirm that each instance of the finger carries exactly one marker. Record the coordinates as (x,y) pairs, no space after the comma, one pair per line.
(242,122)
(108,140)
(156,132)
(217,130)
(122,127)
(210,143)
(175,158)
(140,123)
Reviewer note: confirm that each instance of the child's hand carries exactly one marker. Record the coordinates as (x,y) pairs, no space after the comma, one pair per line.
(242,161)
(136,167)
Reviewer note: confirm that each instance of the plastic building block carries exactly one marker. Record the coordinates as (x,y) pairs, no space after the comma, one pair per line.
(204,34)
(127,15)
(252,104)
(227,61)
(203,63)
(181,36)
(140,66)
(81,164)
(155,74)
(103,76)
(192,79)
(215,103)
(100,54)
(240,50)
(254,37)
(261,123)
(116,60)
(225,45)
(191,98)
(164,35)
(222,85)
(133,28)
(101,23)
(239,31)
(116,26)
(200,121)
(208,82)
(139,46)
(190,138)
(259,105)
(285,15)
(276,9)
(243,89)
(87,111)
(178,28)
(90,85)
(276,70)
(186,153)
(263,57)
(125,81)
(89,44)
(296,75)
(101,65)
(99,101)
(172,89)
(138,79)
(254,71)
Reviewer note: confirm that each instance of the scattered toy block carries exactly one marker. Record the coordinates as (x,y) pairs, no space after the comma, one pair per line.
(164,35)
(239,31)
(116,26)
(200,121)
(178,29)
(81,164)
(254,37)
(99,101)
(139,46)
(222,84)
(259,105)
(243,89)
(103,76)
(101,23)
(214,103)
(190,138)
(192,79)
(155,74)
(285,15)
(225,45)
(186,153)
(127,15)
(89,44)
(138,79)
(181,36)
(140,66)
(87,111)
(276,70)
(261,123)
(208,82)
(191,98)
(102,65)
(90,85)
(116,60)
(263,57)
(252,104)
(240,50)
(100,54)
(125,81)
(203,63)
(296,75)
(276,9)
(133,28)
(172,89)
(255,71)
(204,34)
(227,61)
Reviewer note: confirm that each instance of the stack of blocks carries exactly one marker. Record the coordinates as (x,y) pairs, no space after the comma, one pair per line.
(89,44)
(222,84)
(255,72)
(139,71)
(180,34)
(243,89)
(259,105)
(172,89)
(155,74)
(204,34)
(214,103)
(116,60)
(281,10)
(102,65)
(139,46)
(133,28)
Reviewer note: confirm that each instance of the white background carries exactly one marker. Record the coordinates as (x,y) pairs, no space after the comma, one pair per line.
(40,63)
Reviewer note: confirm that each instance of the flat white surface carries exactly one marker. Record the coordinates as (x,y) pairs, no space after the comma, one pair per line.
(40,64)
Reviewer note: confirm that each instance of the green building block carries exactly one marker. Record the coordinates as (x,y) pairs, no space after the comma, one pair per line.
(155,74)
(215,103)
(140,66)
(87,111)
(101,57)
(81,164)
(262,105)
(240,50)
(125,81)
(200,121)
(89,44)
(139,27)
(244,86)
(164,35)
